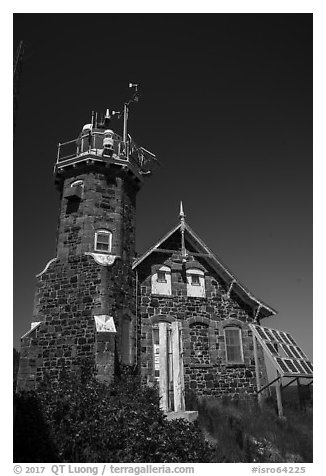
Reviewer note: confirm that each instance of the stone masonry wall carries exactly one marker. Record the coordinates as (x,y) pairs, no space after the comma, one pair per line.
(107,202)
(66,295)
(206,371)
(73,288)
(199,344)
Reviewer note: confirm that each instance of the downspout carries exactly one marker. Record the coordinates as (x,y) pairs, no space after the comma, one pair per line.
(136,316)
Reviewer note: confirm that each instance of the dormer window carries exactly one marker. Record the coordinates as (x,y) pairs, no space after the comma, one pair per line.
(195,282)
(103,241)
(161,277)
(161,281)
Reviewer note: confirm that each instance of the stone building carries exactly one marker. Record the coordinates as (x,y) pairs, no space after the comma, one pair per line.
(175,314)
(181,281)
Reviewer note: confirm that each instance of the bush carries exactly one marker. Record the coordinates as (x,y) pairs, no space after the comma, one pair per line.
(83,420)
(32,442)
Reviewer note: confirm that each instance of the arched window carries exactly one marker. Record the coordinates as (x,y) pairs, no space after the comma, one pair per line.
(233,345)
(195,282)
(161,281)
(103,241)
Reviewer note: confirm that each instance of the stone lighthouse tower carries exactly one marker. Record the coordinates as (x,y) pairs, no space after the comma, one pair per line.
(85,299)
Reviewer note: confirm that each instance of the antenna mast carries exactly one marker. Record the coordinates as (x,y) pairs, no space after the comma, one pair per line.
(18,63)
(134,98)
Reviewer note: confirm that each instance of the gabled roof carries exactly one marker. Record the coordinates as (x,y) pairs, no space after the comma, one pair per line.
(211,261)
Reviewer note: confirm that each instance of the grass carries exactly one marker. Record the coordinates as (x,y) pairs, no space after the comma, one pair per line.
(243,432)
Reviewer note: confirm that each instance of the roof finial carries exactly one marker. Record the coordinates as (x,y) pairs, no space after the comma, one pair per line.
(182,229)
(181,214)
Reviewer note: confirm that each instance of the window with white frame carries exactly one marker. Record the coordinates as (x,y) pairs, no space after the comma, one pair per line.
(103,241)
(233,345)
(195,282)
(161,281)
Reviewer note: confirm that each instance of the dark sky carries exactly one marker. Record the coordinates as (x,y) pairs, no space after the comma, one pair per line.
(227,107)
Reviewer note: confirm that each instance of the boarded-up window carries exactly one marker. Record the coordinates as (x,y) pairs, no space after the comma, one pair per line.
(233,345)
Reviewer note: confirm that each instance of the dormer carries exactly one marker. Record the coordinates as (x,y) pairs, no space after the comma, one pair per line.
(161,281)
(195,282)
